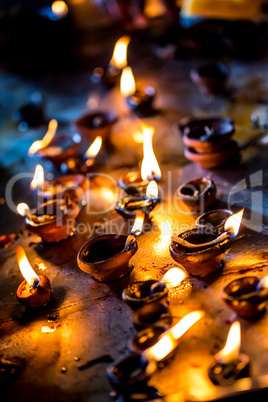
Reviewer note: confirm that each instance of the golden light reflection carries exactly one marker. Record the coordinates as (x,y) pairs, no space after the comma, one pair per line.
(28,273)
(59,8)
(38,179)
(230,352)
(150,169)
(137,136)
(233,223)
(40,144)
(165,236)
(173,277)
(152,190)
(127,82)
(47,329)
(23,208)
(138,224)
(107,194)
(119,58)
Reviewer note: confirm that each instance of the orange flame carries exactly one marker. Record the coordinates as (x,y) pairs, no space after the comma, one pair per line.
(137,227)
(233,223)
(230,352)
(38,179)
(127,82)
(40,144)
(47,329)
(173,277)
(94,148)
(119,58)
(149,168)
(31,277)
(152,190)
(23,208)
(59,8)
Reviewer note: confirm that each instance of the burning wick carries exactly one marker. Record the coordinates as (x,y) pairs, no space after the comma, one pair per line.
(38,179)
(230,352)
(119,59)
(150,169)
(35,290)
(41,144)
(136,230)
(231,227)
(93,151)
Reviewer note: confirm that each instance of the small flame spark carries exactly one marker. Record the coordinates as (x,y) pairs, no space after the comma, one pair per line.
(119,59)
(127,82)
(40,144)
(38,179)
(23,208)
(232,224)
(230,352)
(27,271)
(150,169)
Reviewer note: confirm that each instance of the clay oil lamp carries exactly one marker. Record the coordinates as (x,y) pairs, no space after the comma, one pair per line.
(209,135)
(210,78)
(94,124)
(146,338)
(135,183)
(198,194)
(230,365)
(73,186)
(85,164)
(35,290)
(152,314)
(188,124)
(247,296)
(56,148)
(53,221)
(107,257)
(200,251)
(110,75)
(213,219)
(140,100)
(150,291)
(132,372)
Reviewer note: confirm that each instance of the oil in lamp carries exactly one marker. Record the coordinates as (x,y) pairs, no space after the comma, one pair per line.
(35,290)
(135,183)
(140,100)
(230,365)
(53,221)
(107,257)
(200,251)
(198,194)
(144,292)
(111,74)
(131,372)
(86,163)
(56,148)
(247,296)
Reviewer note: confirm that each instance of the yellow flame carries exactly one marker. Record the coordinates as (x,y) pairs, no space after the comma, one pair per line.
(230,352)
(46,329)
(127,82)
(137,227)
(40,144)
(264,282)
(119,58)
(22,208)
(25,267)
(173,277)
(94,148)
(59,8)
(233,223)
(186,323)
(152,190)
(38,179)
(149,168)
(164,238)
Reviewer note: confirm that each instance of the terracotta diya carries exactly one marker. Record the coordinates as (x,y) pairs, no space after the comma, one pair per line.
(146,338)
(200,251)
(95,124)
(214,219)
(188,124)
(210,78)
(152,314)
(198,194)
(35,290)
(107,257)
(247,296)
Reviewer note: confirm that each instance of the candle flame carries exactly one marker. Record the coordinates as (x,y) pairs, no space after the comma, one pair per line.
(23,208)
(233,223)
(152,190)
(138,224)
(46,329)
(149,168)
(168,341)
(119,58)
(127,82)
(38,179)
(263,284)
(230,352)
(94,148)
(40,144)
(59,8)
(28,273)
(173,277)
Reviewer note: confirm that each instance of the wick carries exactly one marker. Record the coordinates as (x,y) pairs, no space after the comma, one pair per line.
(185,243)
(35,283)
(131,238)
(209,133)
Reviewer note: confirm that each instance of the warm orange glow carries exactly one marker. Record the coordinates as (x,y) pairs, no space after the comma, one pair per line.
(230,352)
(173,277)
(186,323)
(233,223)
(47,329)
(59,8)
(127,82)
(152,190)
(94,148)
(38,179)
(164,238)
(119,58)
(137,227)
(40,144)
(23,208)
(149,168)
(263,284)
(31,277)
